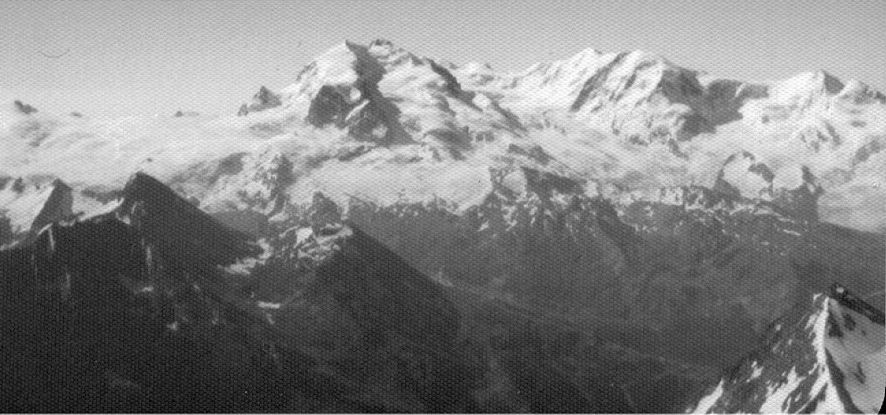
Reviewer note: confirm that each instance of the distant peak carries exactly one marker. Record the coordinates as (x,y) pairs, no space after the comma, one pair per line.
(182,113)
(24,108)
(477,67)
(815,81)
(861,93)
(265,98)
(262,100)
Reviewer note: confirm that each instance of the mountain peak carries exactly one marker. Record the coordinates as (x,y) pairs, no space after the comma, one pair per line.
(826,356)
(808,85)
(343,64)
(262,100)
(645,58)
(341,88)
(861,93)
(177,227)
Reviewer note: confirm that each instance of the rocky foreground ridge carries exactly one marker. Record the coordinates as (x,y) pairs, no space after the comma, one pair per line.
(155,305)
(826,357)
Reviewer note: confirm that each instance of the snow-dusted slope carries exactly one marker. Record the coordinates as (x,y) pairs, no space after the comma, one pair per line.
(156,305)
(826,358)
(30,207)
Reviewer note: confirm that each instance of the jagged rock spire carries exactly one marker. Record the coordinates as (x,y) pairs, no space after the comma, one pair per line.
(262,100)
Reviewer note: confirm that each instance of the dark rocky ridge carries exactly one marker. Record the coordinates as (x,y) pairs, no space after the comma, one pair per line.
(695,272)
(24,108)
(551,312)
(128,311)
(177,228)
(56,207)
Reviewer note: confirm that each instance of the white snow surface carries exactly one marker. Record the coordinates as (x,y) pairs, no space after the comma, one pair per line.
(458,133)
(708,401)
(858,354)
(22,208)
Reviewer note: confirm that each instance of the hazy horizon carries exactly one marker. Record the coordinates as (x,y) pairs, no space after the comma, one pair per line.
(115,58)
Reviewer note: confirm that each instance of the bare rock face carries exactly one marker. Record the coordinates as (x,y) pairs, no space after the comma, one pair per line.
(818,136)
(57,206)
(329,107)
(6,235)
(874,145)
(24,108)
(178,227)
(356,104)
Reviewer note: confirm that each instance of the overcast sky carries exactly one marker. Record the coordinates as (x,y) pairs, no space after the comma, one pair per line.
(147,57)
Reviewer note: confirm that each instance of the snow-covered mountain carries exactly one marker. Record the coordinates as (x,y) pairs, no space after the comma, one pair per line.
(611,227)
(824,357)
(403,123)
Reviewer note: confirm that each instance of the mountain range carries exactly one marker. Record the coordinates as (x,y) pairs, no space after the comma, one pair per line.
(606,233)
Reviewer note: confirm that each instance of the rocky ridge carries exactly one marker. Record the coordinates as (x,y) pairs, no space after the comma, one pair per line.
(823,357)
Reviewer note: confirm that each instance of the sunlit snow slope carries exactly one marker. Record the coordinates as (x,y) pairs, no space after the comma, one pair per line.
(826,359)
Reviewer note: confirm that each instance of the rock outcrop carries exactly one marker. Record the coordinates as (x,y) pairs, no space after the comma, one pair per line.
(262,100)
(349,98)
(24,108)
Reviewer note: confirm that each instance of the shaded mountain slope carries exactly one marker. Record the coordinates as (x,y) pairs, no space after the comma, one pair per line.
(123,311)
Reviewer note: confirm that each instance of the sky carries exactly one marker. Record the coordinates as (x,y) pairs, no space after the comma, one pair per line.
(146,57)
